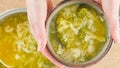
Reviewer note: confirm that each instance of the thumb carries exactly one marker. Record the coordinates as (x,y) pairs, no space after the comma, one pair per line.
(111,9)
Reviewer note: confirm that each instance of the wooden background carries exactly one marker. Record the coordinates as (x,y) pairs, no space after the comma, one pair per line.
(111,60)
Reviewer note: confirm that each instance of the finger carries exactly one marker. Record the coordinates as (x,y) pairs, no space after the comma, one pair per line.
(50,57)
(45,51)
(111,9)
(114,26)
(37,12)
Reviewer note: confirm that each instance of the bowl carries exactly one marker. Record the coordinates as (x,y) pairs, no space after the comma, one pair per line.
(54,35)
(18,48)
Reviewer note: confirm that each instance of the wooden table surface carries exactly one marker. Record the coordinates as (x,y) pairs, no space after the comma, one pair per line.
(111,60)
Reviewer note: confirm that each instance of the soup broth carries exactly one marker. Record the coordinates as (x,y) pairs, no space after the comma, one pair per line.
(17,45)
(77,33)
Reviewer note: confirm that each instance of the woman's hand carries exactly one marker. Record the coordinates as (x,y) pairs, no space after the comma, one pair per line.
(37,14)
(111,9)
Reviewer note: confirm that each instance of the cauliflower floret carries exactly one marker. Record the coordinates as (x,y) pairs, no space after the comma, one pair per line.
(76,52)
(8,29)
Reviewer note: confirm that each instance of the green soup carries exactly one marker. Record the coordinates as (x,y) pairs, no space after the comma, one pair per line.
(77,33)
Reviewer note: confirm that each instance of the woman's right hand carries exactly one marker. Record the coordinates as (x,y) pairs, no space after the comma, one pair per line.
(111,9)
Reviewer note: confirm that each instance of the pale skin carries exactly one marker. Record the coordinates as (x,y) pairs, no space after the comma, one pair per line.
(37,19)
(110,8)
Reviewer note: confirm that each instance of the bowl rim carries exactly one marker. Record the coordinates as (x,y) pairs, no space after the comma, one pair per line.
(104,50)
(11,11)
